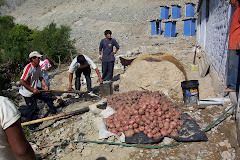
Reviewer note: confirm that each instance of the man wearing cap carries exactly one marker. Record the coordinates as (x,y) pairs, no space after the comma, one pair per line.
(81,64)
(45,67)
(106,55)
(29,79)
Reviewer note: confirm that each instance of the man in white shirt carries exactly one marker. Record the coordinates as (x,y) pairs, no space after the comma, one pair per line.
(45,67)
(28,89)
(13,143)
(81,64)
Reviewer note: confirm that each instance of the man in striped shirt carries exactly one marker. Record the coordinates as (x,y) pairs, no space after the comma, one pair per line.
(29,80)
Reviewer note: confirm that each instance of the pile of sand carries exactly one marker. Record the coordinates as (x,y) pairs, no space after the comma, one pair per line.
(155,72)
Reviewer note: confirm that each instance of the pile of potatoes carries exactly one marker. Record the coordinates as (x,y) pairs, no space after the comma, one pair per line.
(143,111)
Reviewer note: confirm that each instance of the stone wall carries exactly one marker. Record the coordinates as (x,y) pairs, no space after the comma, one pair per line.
(212,34)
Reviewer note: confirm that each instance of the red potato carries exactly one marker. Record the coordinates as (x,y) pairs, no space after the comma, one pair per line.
(111,125)
(110,117)
(119,134)
(173,123)
(152,113)
(121,129)
(159,113)
(151,118)
(157,135)
(166,125)
(163,116)
(152,125)
(135,125)
(167,120)
(135,112)
(131,121)
(125,123)
(138,120)
(137,130)
(129,133)
(180,122)
(114,130)
(141,123)
(149,130)
(169,130)
(164,132)
(130,126)
(148,121)
(174,134)
(136,116)
(141,128)
(167,116)
(118,125)
(154,131)
(147,108)
(149,135)
(141,111)
(125,128)
(144,106)
(160,125)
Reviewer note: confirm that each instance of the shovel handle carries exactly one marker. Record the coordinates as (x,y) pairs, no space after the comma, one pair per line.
(59,91)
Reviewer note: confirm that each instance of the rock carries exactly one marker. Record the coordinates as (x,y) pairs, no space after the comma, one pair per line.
(97,121)
(86,152)
(47,131)
(15,87)
(111,139)
(228,145)
(226,155)
(79,118)
(18,83)
(34,147)
(167,141)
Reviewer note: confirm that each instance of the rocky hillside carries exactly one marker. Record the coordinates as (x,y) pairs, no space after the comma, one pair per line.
(128,20)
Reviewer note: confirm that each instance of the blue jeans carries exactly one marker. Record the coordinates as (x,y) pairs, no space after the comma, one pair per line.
(107,70)
(31,111)
(233,70)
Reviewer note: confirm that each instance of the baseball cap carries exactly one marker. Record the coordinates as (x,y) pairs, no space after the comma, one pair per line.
(34,54)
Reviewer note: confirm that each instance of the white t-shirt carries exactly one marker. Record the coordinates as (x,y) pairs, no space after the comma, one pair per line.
(44,64)
(8,115)
(75,65)
(31,75)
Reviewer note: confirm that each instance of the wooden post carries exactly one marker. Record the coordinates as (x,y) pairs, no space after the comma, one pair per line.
(59,62)
(57,116)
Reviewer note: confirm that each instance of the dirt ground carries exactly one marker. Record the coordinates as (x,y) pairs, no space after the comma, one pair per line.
(129,20)
(60,138)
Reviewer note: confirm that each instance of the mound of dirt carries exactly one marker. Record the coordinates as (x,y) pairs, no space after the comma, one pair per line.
(156,73)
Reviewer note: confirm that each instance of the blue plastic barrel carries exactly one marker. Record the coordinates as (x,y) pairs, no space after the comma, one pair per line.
(155,27)
(189,27)
(170,29)
(176,11)
(164,12)
(190,10)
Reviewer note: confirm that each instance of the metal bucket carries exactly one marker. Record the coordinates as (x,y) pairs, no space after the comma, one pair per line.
(190,92)
(106,88)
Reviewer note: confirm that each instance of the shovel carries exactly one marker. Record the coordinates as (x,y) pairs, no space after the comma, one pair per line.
(60,91)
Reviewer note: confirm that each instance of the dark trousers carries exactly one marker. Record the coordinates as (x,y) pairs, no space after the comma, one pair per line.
(233,69)
(107,70)
(86,71)
(32,105)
